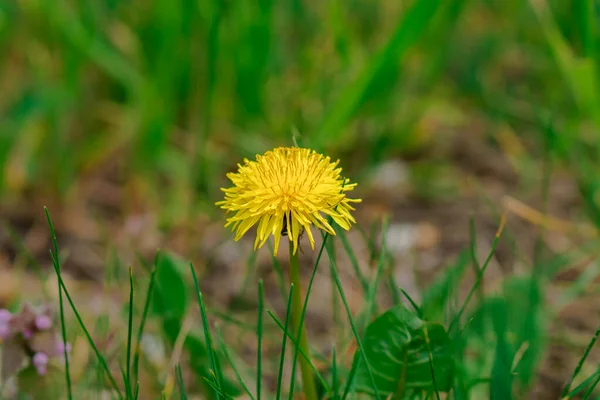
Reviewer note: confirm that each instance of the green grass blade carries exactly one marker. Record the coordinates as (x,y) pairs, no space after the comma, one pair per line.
(430,356)
(473,253)
(56,263)
(371,297)
(179,375)
(354,331)
(394,289)
(126,382)
(233,364)
(212,384)
(302,353)
(480,275)
(582,385)
(334,377)
(284,342)
(587,351)
(334,299)
(228,318)
(590,390)
(408,31)
(259,335)
(129,333)
(304,307)
(353,260)
(412,303)
(101,359)
(140,333)
(212,357)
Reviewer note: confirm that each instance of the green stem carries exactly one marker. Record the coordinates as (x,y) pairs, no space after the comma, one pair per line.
(310,390)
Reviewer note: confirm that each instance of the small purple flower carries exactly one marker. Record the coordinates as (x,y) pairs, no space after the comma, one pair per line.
(27,334)
(40,362)
(60,347)
(43,322)
(5,317)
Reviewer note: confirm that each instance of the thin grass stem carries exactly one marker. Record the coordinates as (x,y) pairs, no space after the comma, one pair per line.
(259,335)
(233,364)
(129,333)
(56,262)
(481,273)
(140,333)
(587,351)
(284,342)
(300,351)
(211,354)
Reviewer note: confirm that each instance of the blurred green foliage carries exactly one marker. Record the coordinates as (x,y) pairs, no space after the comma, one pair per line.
(170,94)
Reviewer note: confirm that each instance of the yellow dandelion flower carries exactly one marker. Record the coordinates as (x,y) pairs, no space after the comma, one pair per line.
(286,191)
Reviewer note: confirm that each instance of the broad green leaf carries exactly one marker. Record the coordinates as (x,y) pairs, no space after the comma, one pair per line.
(171,297)
(396,347)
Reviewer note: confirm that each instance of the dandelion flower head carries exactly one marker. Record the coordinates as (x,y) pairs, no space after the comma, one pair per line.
(286,191)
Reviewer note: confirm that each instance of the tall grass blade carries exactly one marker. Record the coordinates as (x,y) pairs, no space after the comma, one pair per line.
(473,253)
(592,378)
(408,31)
(480,275)
(212,357)
(233,364)
(412,303)
(101,359)
(284,343)
(587,351)
(180,383)
(125,382)
(590,390)
(354,331)
(353,260)
(303,315)
(129,333)
(140,332)
(334,377)
(371,297)
(302,353)
(56,263)
(259,335)
(430,356)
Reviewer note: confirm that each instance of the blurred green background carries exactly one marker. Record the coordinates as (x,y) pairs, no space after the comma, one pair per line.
(170,95)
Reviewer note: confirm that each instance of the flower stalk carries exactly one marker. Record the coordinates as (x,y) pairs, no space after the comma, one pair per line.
(310,391)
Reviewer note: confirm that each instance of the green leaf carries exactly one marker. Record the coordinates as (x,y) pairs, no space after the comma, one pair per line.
(507,337)
(396,347)
(171,298)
